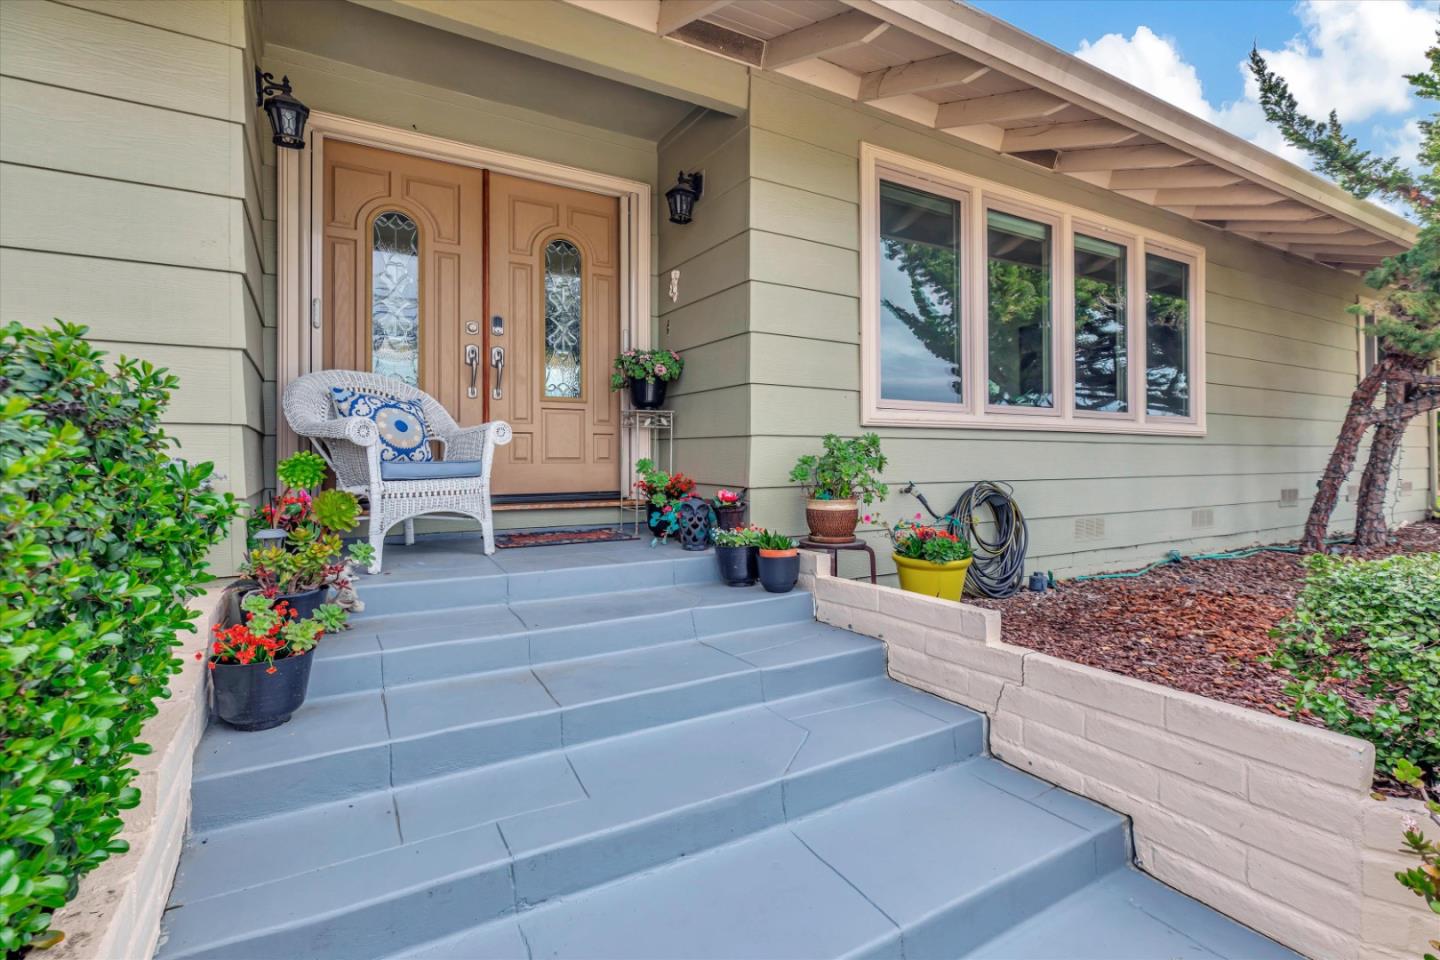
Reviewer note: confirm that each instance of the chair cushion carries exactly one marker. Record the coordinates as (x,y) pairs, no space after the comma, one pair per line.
(403,437)
(435,470)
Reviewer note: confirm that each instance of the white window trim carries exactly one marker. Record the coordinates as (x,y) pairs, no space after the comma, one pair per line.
(978,195)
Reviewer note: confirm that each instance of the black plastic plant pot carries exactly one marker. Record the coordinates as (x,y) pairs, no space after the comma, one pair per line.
(645,395)
(248,698)
(779,569)
(737,565)
(306,603)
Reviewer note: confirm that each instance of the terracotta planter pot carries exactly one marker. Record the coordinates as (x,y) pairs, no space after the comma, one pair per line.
(248,698)
(779,569)
(943,580)
(832,521)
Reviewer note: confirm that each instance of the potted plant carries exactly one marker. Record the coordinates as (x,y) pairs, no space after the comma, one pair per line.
(729,507)
(779,561)
(662,493)
(301,566)
(844,475)
(930,560)
(646,372)
(259,670)
(736,553)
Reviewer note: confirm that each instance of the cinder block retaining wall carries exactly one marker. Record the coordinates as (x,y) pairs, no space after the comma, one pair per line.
(1266,820)
(116,913)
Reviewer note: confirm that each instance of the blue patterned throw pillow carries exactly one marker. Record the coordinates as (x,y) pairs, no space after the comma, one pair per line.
(403,437)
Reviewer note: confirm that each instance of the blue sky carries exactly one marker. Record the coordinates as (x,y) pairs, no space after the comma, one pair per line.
(1346,54)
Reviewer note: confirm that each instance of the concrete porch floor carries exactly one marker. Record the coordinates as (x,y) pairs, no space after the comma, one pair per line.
(600,750)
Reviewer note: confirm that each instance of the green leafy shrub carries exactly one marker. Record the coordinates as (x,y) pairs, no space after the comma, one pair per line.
(845,470)
(1374,626)
(105,538)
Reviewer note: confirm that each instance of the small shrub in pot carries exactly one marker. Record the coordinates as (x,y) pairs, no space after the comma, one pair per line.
(729,507)
(646,372)
(844,475)
(259,669)
(930,560)
(736,554)
(779,562)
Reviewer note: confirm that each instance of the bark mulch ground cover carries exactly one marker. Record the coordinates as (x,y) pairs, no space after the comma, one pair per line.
(1199,625)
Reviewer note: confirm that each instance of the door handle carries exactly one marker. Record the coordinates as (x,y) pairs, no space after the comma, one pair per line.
(497,360)
(472,360)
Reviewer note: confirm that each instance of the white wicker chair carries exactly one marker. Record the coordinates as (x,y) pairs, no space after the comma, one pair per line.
(351,445)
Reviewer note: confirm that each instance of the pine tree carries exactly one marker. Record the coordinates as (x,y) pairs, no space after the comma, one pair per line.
(1406,322)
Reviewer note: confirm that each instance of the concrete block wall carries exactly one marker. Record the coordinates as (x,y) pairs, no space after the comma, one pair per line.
(116,912)
(1266,820)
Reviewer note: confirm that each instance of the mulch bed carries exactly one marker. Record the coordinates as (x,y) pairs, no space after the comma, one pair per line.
(1199,626)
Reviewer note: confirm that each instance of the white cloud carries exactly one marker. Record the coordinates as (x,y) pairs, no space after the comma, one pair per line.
(1151,62)
(1353,55)
(1350,56)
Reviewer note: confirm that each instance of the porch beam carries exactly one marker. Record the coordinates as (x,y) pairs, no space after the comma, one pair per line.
(1166,178)
(1277,234)
(919,76)
(850,29)
(1320,226)
(1000,108)
(1145,156)
(1066,136)
(1278,212)
(675,14)
(1209,196)
(1327,251)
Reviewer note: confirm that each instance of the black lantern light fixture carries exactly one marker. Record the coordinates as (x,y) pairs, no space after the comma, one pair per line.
(287,115)
(682,197)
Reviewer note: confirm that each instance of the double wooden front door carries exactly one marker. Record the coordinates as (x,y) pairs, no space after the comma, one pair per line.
(499,296)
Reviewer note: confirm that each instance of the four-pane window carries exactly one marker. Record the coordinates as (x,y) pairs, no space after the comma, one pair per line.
(987,308)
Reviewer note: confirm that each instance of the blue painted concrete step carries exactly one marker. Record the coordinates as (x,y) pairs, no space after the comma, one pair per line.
(338,747)
(600,751)
(550,824)
(410,648)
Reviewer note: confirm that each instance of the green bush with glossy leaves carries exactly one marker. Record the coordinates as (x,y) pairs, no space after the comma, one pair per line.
(105,539)
(1373,625)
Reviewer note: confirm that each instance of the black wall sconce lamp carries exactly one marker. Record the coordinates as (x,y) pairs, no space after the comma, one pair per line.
(287,115)
(681,198)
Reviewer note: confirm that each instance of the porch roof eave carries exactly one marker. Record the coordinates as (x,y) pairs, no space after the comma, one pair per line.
(979,79)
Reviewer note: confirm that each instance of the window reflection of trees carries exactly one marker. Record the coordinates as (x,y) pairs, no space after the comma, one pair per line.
(1101,349)
(1167,336)
(933,275)
(1019,329)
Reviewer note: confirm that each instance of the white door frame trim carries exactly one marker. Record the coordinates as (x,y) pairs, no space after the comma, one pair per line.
(299,201)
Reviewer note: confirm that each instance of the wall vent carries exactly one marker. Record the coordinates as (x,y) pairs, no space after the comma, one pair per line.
(1200,519)
(1289,496)
(1089,528)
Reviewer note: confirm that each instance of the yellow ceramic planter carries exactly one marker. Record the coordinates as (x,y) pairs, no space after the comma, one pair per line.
(943,580)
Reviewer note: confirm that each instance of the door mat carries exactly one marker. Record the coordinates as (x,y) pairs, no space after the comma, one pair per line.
(545,538)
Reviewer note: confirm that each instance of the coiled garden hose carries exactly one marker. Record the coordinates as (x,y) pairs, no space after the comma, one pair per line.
(998,567)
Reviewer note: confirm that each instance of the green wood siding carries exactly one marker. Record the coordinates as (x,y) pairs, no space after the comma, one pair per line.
(1281,363)
(130,202)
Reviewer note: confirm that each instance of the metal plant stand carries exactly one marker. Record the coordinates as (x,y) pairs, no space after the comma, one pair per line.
(661,424)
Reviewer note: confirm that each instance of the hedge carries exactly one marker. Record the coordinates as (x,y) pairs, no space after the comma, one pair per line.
(105,537)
